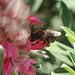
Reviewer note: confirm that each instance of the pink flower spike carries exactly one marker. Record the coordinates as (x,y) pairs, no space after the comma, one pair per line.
(10,51)
(34,20)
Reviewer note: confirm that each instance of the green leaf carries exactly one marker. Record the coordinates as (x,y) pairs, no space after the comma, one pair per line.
(36,5)
(60,73)
(63,58)
(1,59)
(70,34)
(68,69)
(70,4)
(15,73)
(72,56)
(46,67)
(59,51)
(59,48)
(66,16)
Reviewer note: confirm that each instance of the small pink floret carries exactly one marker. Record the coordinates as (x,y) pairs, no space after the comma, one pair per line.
(34,20)
(24,65)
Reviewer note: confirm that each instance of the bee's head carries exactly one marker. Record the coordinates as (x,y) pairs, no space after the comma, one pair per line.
(51,37)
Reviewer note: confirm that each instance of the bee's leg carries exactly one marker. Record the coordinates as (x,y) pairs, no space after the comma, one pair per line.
(32,30)
(47,40)
(43,44)
(35,43)
(32,33)
(48,43)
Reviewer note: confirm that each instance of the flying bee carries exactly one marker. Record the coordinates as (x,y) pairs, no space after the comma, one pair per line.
(40,39)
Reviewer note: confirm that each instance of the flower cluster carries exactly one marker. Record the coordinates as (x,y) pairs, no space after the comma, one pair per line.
(14,33)
(13,17)
(12,60)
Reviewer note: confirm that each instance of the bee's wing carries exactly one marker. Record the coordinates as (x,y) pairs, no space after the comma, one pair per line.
(55,33)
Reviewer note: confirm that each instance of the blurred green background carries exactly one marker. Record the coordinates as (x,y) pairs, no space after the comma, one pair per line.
(54,14)
(59,58)
(49,12)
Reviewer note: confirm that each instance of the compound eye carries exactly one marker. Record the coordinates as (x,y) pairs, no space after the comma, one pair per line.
(52,39)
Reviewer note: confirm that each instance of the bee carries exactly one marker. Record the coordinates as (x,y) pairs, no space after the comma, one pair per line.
(40,38)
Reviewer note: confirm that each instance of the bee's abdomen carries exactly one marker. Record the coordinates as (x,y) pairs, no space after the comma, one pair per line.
(39,35)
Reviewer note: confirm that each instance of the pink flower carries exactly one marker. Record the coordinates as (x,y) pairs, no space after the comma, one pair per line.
(34,20)
(14,18)
(23,65)
(9,53)
(24,46)
(12,61)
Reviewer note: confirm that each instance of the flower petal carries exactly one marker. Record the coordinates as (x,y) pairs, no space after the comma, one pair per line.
(28,46)
(31,71)
(27,29)
(10,51)
(33,61)
(23,67)
(22,64)
(7,67)
(35,20)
